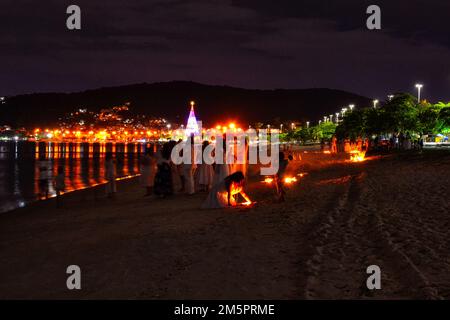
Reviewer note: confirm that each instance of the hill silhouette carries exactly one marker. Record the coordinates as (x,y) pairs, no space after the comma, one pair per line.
(214,104)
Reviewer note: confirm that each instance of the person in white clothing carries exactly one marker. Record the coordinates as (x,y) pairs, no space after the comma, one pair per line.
(188,170)
(205,172)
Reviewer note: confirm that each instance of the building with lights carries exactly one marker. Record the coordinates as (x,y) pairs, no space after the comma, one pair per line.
(192,127)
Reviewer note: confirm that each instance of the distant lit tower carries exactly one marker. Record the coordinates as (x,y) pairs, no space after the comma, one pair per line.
(192,125)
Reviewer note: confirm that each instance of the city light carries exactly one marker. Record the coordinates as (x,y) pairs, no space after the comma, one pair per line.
(419,87)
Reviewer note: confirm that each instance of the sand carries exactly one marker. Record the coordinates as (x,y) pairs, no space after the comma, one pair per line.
(391,211)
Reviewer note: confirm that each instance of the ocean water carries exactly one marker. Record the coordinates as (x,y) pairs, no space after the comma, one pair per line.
(83,165)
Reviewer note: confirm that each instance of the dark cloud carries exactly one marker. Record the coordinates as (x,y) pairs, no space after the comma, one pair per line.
(248,43)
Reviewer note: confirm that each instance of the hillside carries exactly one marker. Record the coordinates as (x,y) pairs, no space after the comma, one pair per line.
(171,99)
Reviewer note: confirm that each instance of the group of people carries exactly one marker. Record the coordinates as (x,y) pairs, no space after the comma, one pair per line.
(159,174)
(345,145)
(392,142)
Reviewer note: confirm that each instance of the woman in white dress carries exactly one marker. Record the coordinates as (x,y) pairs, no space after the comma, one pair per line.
(189,169)
(223,193)
(148,170)
(205,172)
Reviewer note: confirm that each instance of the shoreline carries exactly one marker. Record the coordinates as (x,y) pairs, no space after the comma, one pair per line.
(65,195)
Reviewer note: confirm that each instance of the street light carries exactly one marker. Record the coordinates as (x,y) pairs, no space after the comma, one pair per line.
(331,117)
(307,124)
(390,97)
(351,107)
(281,128)
(375,102)
(418,86)
(337,117)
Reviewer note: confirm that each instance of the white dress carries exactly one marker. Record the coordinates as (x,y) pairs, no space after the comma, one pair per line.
(217,197)
(205,174)
(220,173)
(188,172)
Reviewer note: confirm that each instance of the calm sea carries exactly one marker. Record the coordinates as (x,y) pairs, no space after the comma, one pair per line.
(83,165)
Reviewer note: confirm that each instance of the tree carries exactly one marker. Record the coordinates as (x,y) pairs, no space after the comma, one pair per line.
(444,119)
(352,125)
(324,130)
(429,119)
(401,114)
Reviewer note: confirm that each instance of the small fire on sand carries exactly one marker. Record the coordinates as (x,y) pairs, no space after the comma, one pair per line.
(287,180)
(238,190)
(357,156)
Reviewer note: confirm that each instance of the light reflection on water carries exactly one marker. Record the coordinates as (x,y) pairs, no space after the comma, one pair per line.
(83,165)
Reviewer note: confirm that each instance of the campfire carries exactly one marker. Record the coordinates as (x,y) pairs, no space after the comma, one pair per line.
(357,156)
(236,190)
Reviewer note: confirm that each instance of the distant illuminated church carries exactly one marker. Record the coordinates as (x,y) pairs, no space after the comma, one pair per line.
(192,125)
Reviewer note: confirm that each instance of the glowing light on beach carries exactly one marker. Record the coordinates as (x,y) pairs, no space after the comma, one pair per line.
(237,189)
(268,180)
(290,180)
(357,156)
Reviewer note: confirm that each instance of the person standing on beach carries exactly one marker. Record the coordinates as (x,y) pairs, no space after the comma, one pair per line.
(148,170)
(334,145)
(180,173)
(221,170)
(188,170)
(163,179)
(60,184)
(110,175)
(205,173)
(283,163)
(44,173)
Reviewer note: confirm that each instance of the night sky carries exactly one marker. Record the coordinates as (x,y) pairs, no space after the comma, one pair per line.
(251,43)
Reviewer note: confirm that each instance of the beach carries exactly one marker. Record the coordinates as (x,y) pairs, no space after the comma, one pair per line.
(338,219)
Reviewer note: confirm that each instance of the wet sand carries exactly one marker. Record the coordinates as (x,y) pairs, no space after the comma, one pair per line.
(391,211)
